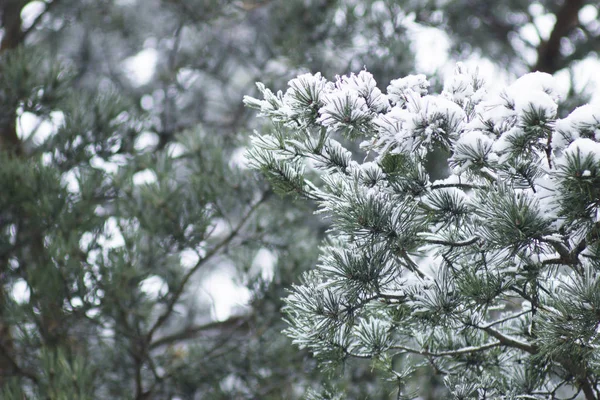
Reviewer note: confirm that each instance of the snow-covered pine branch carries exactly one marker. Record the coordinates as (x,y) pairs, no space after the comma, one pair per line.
(490,276)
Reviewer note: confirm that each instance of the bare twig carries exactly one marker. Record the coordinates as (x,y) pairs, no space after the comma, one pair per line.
(457,352)
(509,341)
(462,243)
(191,332)
(508,318)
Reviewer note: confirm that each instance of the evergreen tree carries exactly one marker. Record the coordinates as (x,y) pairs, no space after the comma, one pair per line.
(126,193)
(488,277)
(115,209)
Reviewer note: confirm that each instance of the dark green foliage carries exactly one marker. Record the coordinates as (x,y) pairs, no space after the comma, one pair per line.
(512,220)
(580,184)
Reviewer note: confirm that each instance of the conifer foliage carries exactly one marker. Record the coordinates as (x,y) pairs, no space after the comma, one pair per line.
(488,277)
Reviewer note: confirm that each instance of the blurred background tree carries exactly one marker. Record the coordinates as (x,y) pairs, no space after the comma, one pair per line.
(126,209)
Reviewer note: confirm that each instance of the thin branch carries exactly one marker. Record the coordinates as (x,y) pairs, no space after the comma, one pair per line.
(139,389)
(233,323)
(582,245)
(356,355)
(587,389)
(557,245)
(509,341)
(215,250)
(502,320)
(553,261)
(570,258)
(16,368)
(10,21)
(530,299)
(462,243)
(457,352)
(457,185)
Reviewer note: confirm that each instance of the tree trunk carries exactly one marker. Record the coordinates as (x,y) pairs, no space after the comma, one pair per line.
(567,18)
(11,23)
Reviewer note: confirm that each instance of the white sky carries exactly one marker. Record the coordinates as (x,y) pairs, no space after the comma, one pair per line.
(140,68)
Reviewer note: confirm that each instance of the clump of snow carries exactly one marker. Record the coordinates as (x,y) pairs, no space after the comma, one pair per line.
(391,130)
(584,148)
(475,138)
(351,101)
(533,92)
(472,146)
(400,90)
(441,116)
(464,85)
(503,144)
(535,101)
(141,67)
(424,120)
(536,82)
(585,118)
(343,108)
(365,85)
(304,92)
(497,109)
(433,104)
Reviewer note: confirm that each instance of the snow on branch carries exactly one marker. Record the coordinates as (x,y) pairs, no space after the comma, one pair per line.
(466,268)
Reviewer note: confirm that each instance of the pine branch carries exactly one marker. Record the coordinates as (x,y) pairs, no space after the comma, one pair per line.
(507,211)
(569,258)
(530,299)
(365,356)
(11,22)
(587,389)
(560,248)
(508,318)
(139,388)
